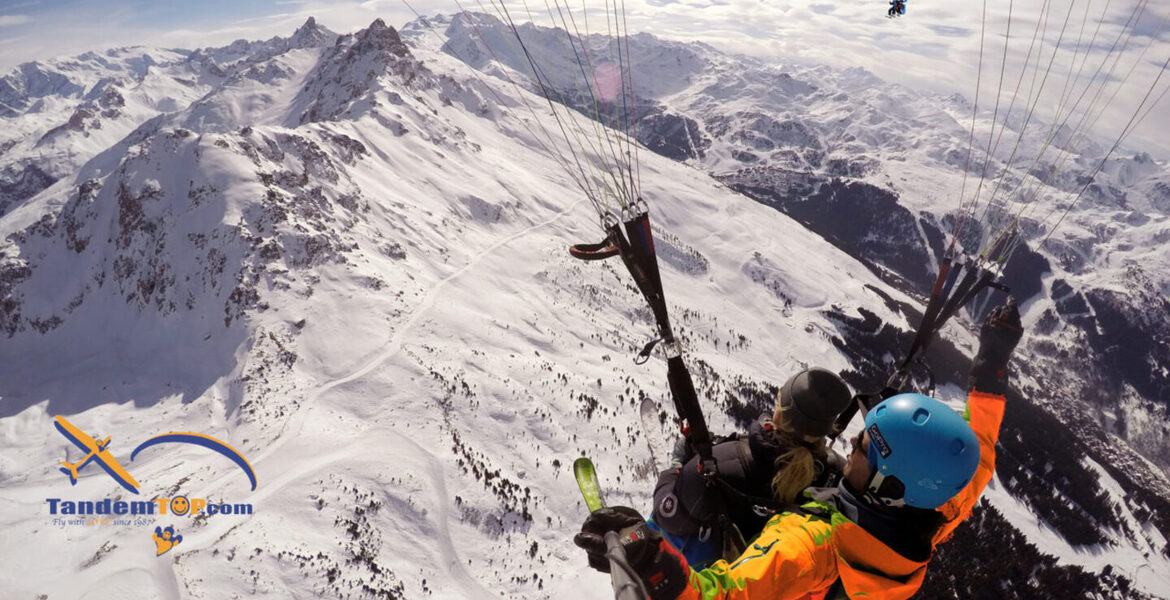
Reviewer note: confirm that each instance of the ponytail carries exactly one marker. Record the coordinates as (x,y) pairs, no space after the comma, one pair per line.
(795,471)
(796,468)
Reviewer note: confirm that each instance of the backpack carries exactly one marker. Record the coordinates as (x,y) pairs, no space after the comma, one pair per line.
(707,522)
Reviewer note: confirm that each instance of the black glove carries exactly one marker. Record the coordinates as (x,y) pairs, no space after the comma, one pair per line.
(997,339)
(683,451)
(661,568)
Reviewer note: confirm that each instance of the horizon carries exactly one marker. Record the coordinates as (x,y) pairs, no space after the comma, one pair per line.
(931,49)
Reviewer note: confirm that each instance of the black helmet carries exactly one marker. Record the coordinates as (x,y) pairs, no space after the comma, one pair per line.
(812,399)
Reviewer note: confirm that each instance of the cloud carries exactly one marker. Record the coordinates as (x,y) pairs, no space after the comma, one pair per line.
(934,47)
(10,20)
(937,47)
(946,31)
(377,4)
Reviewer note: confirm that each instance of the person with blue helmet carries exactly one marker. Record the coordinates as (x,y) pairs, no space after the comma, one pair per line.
(915,472)
(920,452)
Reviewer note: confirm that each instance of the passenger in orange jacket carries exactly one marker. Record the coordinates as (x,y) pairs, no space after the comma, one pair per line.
(916,472)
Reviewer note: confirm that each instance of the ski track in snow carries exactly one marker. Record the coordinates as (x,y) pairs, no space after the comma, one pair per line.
(165,578)
(309,461)
(294,430)
(454,564)
(394,345)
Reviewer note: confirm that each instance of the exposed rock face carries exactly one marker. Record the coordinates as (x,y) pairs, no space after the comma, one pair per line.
(20,182)
(887,237)
(158,264)
(342,82)
(672,135)
(311,35)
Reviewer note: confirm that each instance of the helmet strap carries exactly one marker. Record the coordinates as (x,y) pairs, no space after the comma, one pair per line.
(874,491)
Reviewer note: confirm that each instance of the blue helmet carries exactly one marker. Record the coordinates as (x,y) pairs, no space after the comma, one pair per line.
(921,452)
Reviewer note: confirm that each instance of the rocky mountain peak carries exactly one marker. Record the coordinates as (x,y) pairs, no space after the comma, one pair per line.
(379,37)
(348,72)
(311,35)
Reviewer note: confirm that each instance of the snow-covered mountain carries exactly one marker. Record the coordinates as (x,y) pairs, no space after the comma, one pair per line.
(345,257)
(820,144)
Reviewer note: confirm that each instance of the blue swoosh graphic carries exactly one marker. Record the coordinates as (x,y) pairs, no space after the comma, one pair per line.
(200,440)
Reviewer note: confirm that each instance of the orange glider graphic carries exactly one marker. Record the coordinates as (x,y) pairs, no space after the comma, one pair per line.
(96,451)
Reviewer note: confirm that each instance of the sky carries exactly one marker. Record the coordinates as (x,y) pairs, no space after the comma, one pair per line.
(934,47)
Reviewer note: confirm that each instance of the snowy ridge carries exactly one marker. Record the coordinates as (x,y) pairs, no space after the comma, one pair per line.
(216,280)
(818,142)
(346,258)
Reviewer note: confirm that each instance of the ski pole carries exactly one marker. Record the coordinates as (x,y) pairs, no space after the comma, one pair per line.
(625,582)
(622,577)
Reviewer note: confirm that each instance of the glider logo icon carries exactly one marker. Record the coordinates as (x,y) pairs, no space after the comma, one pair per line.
(97,451)
(120,513)
(199,439)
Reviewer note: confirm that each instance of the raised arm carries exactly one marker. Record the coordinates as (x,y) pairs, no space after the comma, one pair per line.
(998,336)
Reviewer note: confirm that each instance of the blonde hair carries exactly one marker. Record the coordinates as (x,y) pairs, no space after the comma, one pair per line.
(796,468)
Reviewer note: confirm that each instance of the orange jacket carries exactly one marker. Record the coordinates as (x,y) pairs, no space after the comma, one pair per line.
(799,556)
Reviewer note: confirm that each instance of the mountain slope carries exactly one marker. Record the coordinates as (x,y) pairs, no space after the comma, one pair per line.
(821,144)
(818,143)
(347,258)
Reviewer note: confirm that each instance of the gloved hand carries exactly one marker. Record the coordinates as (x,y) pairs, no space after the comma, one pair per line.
(998,336)
(661,568)
(683,452)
